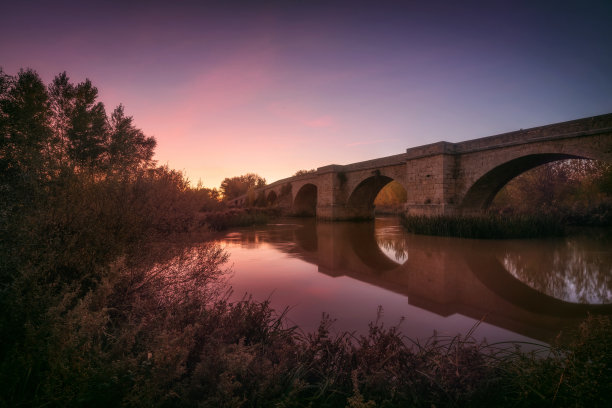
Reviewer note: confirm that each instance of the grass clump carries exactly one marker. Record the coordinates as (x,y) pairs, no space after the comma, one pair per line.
(490,226)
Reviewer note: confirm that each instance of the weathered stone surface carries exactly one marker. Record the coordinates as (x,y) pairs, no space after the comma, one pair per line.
(443,177)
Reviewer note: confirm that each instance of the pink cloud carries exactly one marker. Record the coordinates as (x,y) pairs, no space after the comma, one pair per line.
(230,83)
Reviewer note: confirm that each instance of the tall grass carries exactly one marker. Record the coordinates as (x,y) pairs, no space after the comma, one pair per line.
(493,226)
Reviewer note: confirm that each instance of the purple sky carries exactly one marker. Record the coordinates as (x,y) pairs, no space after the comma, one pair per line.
(230,87)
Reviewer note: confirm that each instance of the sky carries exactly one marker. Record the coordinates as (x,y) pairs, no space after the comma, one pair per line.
(273,87)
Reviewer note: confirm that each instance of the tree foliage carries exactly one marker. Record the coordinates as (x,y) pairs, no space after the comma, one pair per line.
(127,146)
(304,172)
(237,186)
(391,195)
(44,129)
(567,186)
(78,192)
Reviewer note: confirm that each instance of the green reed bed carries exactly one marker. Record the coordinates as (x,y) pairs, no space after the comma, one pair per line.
(492,226)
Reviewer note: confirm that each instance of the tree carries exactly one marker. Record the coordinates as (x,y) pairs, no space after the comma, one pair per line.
(25,133)
(88,131)
(240,185)
(128,147)
(61,95)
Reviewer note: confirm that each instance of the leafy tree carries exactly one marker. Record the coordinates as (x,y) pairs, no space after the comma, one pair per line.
(236,186)
(25,134)
(128,147)
(88,130)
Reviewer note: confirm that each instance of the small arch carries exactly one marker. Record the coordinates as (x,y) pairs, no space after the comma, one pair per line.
(272,198)
(305,203)
(483,191)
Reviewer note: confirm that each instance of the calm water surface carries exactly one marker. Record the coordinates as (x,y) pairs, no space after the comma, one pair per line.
(521,289)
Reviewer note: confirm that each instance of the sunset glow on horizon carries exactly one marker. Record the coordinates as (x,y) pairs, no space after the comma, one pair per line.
(229,88)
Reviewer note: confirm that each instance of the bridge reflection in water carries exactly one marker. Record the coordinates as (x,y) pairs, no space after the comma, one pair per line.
(533,288)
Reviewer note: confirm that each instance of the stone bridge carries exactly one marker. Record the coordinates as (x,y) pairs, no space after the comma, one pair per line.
(440,178)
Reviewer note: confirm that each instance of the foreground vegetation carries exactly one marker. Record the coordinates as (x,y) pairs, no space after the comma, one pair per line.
(107,300)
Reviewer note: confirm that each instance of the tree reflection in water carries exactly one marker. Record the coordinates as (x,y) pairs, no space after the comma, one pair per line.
(391,238)
(575,269)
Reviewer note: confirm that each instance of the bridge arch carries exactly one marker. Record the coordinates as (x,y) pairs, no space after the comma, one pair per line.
(482,192)
(361,200)
(272,198)
(305,202)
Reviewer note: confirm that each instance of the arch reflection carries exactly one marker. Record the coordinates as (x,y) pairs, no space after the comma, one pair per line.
(444,275)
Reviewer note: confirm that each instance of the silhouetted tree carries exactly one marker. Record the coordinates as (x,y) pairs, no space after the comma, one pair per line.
(25,134)
(62,98)
(236,186)
(88,130)
(128,146)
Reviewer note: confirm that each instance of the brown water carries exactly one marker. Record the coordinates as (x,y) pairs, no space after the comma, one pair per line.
(520,289)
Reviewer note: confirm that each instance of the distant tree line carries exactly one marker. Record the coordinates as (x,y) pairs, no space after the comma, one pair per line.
(233,187)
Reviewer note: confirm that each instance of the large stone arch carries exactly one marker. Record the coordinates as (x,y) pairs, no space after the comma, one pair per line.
(483,191)
(305,202)
(490,174)
(360,203)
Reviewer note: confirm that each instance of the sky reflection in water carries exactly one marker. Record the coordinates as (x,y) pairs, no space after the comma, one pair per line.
(435,283)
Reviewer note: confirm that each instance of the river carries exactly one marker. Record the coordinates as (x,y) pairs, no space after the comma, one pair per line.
(508,290)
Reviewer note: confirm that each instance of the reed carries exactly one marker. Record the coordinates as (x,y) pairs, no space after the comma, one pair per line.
(490,226)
